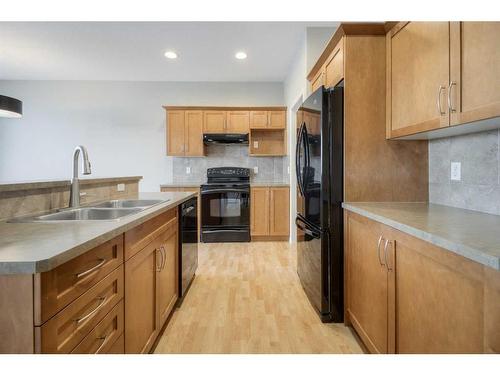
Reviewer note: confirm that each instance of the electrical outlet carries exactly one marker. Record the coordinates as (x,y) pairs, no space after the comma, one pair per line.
(188,170)
(456,171)
(256,170)
(255,144)
(120,187)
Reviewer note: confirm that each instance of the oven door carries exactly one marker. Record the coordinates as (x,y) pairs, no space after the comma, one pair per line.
(225,206)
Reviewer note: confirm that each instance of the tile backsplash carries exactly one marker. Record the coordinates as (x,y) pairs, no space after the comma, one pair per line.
(270,169)
(479,187)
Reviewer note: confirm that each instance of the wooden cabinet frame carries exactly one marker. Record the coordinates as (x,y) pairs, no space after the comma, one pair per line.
(266,223)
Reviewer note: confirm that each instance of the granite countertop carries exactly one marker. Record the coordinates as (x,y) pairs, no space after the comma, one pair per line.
(193,184)
(45,184)
(471,234)
(39,247)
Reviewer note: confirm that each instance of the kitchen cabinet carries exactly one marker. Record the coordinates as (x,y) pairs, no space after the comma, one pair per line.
(474,71)
(238,122)
(367,283)
(150,288)
(334,66)
(318,80)
(167,273)
(441,74)
(418,59)
(269,214)
(214,122)
(267,119)
(185,133)
(406,295)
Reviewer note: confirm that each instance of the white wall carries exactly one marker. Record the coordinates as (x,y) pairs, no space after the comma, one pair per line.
(121,123)
(295,91)
(316,40)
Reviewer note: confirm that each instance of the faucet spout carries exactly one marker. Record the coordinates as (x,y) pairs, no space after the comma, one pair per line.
(74,200)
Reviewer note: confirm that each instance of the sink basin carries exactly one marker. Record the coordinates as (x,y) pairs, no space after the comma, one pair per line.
(86,214)
(131,203)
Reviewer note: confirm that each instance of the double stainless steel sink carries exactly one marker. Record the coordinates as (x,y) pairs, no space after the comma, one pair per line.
(109,210)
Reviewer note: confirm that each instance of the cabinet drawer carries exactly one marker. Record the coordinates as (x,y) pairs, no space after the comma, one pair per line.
(140,236)
(106,333)
(65,330)
(59,287)
(118,347)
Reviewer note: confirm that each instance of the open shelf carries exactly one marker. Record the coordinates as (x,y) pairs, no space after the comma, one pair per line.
(269,142)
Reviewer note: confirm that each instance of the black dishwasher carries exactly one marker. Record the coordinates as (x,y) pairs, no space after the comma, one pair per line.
(188,244)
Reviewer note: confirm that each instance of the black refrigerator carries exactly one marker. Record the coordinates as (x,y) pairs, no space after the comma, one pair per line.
(319,221)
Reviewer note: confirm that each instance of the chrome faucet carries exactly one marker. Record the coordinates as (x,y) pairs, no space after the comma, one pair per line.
(74,198)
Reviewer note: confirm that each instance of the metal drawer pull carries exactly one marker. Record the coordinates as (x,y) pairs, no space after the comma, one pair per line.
(450,105)
(159,268)
(440,110)
(83,318)
(99,265)
(378,251)
(389,268)
(164,256)
(103,338)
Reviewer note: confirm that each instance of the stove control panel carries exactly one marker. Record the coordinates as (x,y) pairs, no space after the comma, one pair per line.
(228,172)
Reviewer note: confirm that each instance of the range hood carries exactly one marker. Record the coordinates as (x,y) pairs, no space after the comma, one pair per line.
(241,139)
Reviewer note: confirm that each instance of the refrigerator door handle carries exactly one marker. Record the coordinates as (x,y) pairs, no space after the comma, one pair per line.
(312,233)
(297,159)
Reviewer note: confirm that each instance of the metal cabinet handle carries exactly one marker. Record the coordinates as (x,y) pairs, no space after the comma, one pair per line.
(378,250)
(159,268)
(85,317)
(389,268)
(164,256)
(103,338)
(90,270)
(450,105)
(440,110)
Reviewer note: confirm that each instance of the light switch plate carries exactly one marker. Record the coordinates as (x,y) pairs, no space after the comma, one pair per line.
(456,171)
(188,170)
(120,187)
(255,144)
(256,170)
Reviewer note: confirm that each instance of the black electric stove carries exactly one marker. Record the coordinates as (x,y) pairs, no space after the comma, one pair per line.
(225,205)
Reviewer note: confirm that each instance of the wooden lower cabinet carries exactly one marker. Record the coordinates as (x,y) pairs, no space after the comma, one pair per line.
(417,297)
(269,212)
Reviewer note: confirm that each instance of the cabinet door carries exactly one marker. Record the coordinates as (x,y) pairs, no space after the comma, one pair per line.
(258,119)
(238,122)
(214,122)
(279,223)
(259,213)
(175,133)
(141,323)
(334,67)
(475,71)
(439,300)
(193,139)
(277,119)
(367,283)
(418,75)
(318,80)
(167,275)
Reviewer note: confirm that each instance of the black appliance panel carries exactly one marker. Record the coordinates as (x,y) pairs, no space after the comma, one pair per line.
(188,244)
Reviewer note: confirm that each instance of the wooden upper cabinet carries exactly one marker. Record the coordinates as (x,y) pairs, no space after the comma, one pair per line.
(214,122)
(258,119)
(175,133)
(418,58)
(474,71)
(367,279)
(268,119)
(238,122)
(259,212)
(318,80)
(277,119)
(334,66)
(193,134)
(279,224)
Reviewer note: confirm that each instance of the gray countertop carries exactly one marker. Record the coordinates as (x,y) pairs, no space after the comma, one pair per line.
(44,184)
(256,184)
(471,234)
(39,247)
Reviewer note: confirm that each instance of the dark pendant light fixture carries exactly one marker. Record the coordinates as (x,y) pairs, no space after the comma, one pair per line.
(10,107)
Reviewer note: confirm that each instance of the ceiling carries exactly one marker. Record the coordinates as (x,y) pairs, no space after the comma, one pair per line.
(134,51)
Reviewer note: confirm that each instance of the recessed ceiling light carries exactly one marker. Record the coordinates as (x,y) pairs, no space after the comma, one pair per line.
(241,55)
(170,55)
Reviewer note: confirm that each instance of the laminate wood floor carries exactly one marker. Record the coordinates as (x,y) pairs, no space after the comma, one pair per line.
(247,298)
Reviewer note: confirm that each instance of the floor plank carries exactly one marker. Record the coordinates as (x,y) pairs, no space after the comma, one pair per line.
(247,298)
